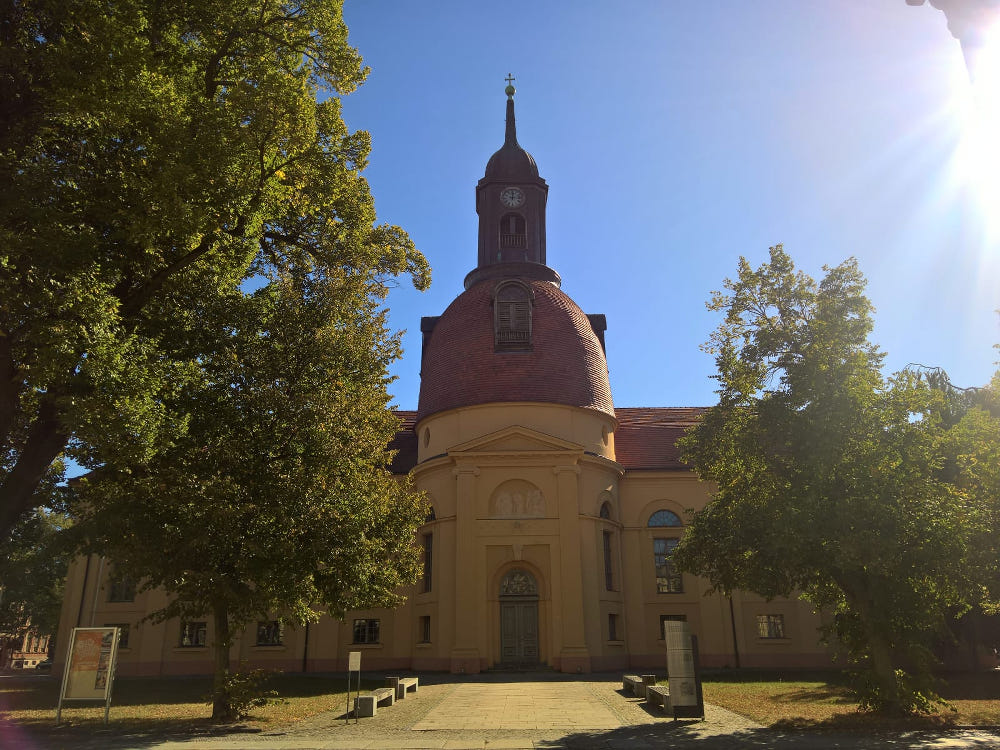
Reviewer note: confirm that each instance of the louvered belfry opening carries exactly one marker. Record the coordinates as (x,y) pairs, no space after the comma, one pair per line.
(512,317)
(512,232)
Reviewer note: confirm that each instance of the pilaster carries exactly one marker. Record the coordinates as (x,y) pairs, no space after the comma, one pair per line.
(574,655)
(465,657)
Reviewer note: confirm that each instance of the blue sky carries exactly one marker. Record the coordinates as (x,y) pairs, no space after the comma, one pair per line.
(677,136)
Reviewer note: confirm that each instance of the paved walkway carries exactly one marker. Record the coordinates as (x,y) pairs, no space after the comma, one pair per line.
(520,705)
(516,713)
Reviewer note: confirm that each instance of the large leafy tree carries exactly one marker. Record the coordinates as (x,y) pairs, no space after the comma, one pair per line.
(831,480)
(33,563)
(150,151)
(277,502)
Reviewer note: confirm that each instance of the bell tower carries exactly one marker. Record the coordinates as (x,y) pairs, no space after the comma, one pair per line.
(510,201)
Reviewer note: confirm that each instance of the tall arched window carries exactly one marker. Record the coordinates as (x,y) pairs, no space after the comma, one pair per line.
(512,316)
(668,579)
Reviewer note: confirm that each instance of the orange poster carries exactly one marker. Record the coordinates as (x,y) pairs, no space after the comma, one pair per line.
(90,659)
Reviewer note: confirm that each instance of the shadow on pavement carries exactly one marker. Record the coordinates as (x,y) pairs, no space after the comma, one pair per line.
(695,734)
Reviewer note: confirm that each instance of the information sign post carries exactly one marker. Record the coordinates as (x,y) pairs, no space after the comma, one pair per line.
(353,665)
(90,667)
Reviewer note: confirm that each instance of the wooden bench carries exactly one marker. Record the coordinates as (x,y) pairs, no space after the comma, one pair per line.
(402,685)
(658,695)
(367,705)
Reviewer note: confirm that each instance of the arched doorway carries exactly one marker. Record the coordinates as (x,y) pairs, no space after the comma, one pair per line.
(518,619)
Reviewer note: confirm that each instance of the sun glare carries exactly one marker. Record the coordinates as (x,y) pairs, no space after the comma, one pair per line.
(979,151)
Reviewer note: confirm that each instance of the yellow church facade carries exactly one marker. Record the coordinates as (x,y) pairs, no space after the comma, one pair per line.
(554,513)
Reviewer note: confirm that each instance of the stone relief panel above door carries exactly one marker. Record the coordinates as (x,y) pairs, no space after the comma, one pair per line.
(518,582)
(517,498)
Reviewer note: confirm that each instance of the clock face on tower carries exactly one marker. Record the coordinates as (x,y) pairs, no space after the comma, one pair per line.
(512,197)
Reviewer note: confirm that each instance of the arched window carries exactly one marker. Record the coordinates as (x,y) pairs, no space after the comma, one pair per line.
(668,578)
(512,232)
(605,510)
(664,518)
(512,317)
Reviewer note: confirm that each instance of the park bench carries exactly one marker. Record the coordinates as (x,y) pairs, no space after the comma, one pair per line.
(367,705)
(636,685)
(633,683)
(658,695)
(402,685)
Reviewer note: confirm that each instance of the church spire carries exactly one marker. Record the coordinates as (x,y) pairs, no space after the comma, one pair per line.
(510,133)
(510,201)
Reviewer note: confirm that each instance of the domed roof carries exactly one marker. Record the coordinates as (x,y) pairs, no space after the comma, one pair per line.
(565,365)
(511,163)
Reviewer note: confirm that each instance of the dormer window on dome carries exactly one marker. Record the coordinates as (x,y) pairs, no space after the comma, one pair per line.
(512,316)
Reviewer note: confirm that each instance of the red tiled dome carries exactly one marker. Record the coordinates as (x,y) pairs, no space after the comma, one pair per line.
(565,366)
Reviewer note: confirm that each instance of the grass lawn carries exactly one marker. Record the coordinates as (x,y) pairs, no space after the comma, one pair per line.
(168,704)
(822,701)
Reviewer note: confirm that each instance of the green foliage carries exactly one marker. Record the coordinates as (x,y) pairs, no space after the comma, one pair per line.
(151,153)
(277,499)
(831,480)
(156,159)
(33,563)
(245,690)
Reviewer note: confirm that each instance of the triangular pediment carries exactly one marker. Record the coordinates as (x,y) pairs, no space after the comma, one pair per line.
(516,439)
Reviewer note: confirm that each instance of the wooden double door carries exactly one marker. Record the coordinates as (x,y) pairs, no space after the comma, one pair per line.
(519,631)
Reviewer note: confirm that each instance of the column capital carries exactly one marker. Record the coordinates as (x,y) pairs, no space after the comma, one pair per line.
(466,469)
(571,468)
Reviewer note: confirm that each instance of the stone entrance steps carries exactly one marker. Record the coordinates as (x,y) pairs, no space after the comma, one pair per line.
(519,669)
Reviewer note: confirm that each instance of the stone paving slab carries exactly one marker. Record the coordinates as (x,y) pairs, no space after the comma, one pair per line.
(520,705)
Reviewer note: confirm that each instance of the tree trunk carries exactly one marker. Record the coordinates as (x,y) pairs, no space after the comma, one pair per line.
(222,709)
(879,648)
(884,672)
(46,440)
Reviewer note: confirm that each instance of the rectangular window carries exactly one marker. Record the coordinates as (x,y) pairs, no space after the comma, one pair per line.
(269,633)
(366,631)
(668,580)
(122,632)
(425,629)
(121,589)
(612,627)
(193,634)
(770,626)
(428,560)
(670,618)
(609,577)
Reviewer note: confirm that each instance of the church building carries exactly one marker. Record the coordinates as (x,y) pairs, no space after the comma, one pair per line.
(554,512)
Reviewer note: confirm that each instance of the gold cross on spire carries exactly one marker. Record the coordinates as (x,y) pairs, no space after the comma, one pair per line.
(510,86)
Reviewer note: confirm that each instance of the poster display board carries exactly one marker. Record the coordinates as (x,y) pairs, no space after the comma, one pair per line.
(90,667)
(682,670)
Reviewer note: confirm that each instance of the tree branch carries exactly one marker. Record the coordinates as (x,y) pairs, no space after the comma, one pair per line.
(46,440)
(8,390)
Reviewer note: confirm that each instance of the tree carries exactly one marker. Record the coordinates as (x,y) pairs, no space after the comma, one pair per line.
(150,151)
(277,502)
(830,479)
(33,564)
